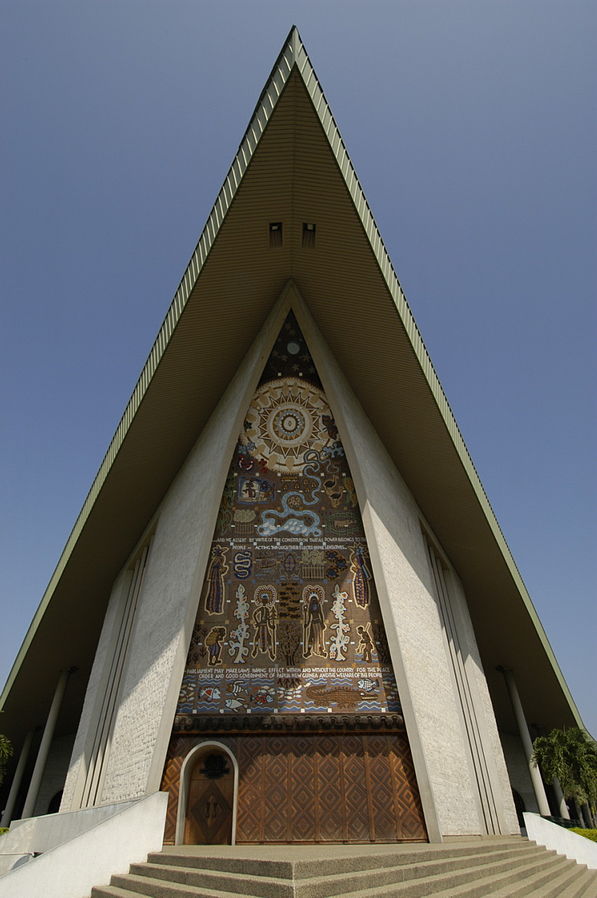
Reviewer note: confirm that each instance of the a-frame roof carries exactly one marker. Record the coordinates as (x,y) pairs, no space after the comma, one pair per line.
(291,167)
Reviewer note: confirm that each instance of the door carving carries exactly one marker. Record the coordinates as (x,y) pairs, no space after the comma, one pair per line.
(310,788)
(341,788)
(210,800)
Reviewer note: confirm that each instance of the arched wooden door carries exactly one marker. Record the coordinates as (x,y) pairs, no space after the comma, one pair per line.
(210,801)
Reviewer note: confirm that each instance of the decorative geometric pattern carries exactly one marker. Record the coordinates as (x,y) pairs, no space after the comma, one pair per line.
(380,791)
(249,813)
(289,638)
(284,421)
(177,751)
(316,788)
(406,794)
(330,789)
(355,789)
(288,619)
(209,812)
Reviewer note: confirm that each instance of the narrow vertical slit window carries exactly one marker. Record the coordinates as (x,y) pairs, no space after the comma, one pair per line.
(275,233)
(309,230)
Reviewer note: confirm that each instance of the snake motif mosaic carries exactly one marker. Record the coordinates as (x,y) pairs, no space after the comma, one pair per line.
(288,619)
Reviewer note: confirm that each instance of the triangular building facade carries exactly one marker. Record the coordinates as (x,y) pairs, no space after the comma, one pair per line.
(286,602)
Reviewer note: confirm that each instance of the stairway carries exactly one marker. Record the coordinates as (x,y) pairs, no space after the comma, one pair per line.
(484,868)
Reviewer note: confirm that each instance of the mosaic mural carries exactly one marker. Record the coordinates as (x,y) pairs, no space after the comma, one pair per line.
(288,619)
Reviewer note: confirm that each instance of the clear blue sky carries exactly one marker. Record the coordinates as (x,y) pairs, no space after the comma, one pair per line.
(472,128)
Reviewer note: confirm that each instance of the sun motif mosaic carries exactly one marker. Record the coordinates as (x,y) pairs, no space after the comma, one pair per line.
(286,420)
(288,618)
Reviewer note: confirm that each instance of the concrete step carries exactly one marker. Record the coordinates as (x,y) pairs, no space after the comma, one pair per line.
(584,887)
(265,860)
(406,877)
(493,868)
(548,883)
(135,886)
(114,892)
(236,883)
(117,892)
(542,881)
(328,884)
(553,886)
(476,882)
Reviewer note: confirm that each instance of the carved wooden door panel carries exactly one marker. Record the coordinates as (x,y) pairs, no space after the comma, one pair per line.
(251,789)
(319,788)
(407,804)
(356,806)
(210,801)
(302,789)
(380,788)
(330,823)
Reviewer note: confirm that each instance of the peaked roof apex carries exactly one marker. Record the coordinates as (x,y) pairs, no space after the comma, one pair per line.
(292,58)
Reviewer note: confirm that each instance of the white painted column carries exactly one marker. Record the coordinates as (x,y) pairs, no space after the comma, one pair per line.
(44,748)
(16,780)
(527,743)
(562,806)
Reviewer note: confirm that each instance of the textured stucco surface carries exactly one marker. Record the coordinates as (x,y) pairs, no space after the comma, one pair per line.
(421,663)
(77,770)
(167,604)
(518,770)
(497,772)
(413,623)
(54,773)
(417,641)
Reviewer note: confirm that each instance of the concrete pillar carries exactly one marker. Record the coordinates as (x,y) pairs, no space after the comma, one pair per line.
(16,780)
(44,748)
(562,806)
(527,743)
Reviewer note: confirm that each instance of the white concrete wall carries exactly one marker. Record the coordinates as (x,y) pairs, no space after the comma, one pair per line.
(557,838)
(518,770)
(55,772)
(71,866)
(413,624)
(78,766)
(39,834)
(417,641)
(167,604)
(497,772)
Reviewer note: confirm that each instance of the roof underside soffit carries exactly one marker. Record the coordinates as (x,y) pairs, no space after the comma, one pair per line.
(294,174)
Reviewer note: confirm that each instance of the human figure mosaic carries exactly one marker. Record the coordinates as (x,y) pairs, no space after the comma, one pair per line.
(288,619)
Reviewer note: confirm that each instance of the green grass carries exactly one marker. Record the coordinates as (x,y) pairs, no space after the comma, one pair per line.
(587,833)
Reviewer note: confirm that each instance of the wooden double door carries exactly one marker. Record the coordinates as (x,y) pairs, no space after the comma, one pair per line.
(307,788)
(318,788)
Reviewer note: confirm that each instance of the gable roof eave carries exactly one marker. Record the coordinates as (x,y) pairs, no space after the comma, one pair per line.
(293,57)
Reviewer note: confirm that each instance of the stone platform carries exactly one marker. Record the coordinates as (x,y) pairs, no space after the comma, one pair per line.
(482,868)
